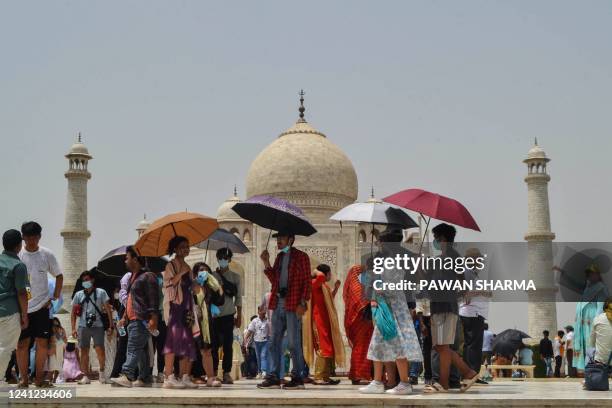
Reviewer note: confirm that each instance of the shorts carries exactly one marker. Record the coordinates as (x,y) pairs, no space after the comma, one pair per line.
(39,325)
(443,328)
(86,334)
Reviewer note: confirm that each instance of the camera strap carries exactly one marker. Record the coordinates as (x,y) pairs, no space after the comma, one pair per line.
(88,299)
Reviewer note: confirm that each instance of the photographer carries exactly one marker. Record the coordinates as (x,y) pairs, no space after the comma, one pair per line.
(91,305)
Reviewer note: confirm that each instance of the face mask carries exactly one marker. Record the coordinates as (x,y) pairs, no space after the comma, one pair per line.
(116,296)
(214,310)
(202,276)
(285,249)
(87,284)
(223,263)
(362,278)
(436,244)
(160,280)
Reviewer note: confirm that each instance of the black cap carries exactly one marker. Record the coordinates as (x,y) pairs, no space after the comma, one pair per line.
(283,233)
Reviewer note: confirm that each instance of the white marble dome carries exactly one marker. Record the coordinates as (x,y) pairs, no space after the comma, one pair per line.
(225,212)
(536,152)
(303,166)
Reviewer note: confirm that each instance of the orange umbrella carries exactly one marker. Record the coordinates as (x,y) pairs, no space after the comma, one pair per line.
(195,227)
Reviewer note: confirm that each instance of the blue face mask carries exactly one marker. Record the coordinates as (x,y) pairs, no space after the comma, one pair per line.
(436,244)
(87,284)
(202,276)
(362,278)
(285,249)
(160,280)
(223,263)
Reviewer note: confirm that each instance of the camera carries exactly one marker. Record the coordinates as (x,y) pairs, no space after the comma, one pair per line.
(90,319)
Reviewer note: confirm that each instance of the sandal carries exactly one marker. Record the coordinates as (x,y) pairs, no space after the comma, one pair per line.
(434,388)
(466,384)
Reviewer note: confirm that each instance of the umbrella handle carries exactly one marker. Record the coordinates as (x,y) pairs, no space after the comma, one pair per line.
(268,241)
(425,234)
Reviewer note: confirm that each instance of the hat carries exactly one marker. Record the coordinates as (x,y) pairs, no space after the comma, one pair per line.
(72,340)
(393,232)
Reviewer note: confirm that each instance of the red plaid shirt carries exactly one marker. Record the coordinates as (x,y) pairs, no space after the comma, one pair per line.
(298,284)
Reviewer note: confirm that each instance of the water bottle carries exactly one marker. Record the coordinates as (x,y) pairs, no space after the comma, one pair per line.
(154,333)
(121,331)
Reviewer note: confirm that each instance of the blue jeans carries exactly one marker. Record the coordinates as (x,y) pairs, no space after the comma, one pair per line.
(284,320)
(261,350)
(136,357)
(549,369)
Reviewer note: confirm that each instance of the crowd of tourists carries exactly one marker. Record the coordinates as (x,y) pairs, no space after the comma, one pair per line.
(181,323)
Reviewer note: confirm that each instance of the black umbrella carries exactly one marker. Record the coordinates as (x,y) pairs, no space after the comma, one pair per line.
(222,238)
(572,278)
(275,214)
(508,342)
(102,280)
(113,263)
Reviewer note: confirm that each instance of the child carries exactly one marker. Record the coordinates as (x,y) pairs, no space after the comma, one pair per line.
(71,370)
(56,349)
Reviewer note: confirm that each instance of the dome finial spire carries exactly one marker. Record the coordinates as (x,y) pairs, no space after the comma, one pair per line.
(302,108)
(535,140)
(79,138)
(235,191)
(372,194)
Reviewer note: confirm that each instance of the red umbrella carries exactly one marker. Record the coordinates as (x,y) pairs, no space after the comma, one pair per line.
(435,206)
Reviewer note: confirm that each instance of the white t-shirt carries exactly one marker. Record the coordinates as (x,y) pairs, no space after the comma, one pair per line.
(601,337)
(487,340)
(39,264)
(474,306)
(569,341)
(557,346)
(260,328)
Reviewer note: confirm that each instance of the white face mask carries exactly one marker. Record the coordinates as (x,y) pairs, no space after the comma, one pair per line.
(116,296)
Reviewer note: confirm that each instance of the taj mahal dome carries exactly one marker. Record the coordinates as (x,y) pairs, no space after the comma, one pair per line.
(303,166)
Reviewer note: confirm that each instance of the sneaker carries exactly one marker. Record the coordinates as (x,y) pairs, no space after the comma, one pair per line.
(269,383)
(401,389)
(186,380)
(414,380)
(227,379)
(122,381)
(141,384)
(102,378)
(160,378)
(258,376)
(172,382)
(481,382)
(374,387)
(84,380)
(294,385)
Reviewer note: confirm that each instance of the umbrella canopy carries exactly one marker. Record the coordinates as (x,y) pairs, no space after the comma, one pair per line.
(222,238)
(572,278)
(375,213)
(195,227)
(435,206)
(113,263)
(275,214)
(507,342)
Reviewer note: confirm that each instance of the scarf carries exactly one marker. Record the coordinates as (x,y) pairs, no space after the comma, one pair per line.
(307,330)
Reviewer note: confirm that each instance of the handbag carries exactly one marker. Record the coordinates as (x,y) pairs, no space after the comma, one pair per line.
(596,375)
(383,318)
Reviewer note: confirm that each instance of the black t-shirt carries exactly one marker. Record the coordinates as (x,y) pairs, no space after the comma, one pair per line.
(546,348)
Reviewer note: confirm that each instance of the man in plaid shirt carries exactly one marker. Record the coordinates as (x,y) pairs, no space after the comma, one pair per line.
(290,279)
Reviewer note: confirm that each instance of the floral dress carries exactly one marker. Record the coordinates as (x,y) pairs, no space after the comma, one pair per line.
(406,343)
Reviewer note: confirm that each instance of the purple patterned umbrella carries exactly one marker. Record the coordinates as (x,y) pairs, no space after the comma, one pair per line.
(275,214)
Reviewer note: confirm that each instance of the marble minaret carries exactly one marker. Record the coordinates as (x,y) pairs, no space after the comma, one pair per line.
(75,232)
(542,309)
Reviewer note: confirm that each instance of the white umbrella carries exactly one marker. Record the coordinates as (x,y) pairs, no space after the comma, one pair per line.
(375,212)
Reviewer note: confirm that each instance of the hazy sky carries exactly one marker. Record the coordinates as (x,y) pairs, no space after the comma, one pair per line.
(175,99)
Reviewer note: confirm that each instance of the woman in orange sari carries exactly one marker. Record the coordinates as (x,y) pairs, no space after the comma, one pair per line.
(358,326)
